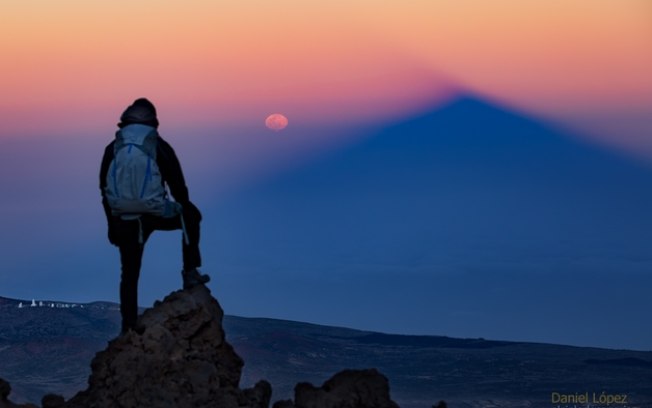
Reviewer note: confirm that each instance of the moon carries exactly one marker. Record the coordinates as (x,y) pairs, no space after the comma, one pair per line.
(276,122)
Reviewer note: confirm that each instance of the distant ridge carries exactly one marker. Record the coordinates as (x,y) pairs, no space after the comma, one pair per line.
(626,362)
(431,341)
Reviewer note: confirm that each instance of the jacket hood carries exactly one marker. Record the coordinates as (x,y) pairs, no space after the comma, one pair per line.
(141,111)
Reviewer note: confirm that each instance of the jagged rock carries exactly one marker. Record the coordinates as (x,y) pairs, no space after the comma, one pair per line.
(346,389)
(5,390)
(283,404)
(53,401)
(177,356)
(258,396)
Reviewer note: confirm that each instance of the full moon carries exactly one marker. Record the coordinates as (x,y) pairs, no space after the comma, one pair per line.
(276,122)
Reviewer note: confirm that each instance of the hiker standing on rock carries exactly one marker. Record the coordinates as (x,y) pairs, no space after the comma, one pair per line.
(136,168)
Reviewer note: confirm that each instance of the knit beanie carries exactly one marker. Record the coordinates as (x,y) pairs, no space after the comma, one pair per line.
(141,111)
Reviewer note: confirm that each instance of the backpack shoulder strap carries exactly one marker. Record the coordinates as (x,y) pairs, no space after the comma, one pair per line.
(150,143)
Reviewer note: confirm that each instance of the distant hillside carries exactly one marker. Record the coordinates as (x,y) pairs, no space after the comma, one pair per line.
(46,349)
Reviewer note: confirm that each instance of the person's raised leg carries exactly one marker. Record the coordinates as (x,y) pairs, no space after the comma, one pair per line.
(190,249)
(191,255)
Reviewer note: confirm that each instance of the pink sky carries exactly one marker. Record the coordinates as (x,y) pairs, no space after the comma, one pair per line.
(73,64)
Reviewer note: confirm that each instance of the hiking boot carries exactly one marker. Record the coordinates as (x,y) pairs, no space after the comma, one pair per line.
(192,278)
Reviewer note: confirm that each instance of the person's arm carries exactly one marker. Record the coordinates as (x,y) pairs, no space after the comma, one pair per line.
(104,171)
(171,172)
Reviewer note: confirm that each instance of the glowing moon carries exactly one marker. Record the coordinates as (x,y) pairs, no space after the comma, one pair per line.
(276,122)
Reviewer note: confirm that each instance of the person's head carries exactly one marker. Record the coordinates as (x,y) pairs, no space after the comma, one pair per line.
(141,111)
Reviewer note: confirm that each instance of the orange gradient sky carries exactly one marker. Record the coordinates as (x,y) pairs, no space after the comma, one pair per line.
(80,62)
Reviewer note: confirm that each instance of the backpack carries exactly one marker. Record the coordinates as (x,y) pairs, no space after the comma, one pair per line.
(134,184)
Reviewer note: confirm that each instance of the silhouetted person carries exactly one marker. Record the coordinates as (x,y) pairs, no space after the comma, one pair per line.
(136,168)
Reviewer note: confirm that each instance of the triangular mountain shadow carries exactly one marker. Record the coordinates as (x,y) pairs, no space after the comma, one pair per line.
(468,205)
(462,172)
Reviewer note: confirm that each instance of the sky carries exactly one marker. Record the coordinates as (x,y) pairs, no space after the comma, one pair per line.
(217,69)
(220,62)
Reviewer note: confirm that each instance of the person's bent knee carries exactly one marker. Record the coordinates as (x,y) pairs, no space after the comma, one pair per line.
(191,213)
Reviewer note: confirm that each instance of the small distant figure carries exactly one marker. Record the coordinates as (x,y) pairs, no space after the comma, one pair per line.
(136,169)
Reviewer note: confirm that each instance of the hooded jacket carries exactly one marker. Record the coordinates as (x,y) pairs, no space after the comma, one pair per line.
(143,112)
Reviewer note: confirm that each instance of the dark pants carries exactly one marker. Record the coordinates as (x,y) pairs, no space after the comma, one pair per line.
(129,234)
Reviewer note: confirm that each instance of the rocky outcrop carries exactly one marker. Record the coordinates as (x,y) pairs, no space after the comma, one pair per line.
(5,390)
(347,389)
(177,356)
(53,401)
